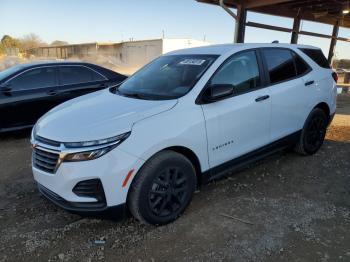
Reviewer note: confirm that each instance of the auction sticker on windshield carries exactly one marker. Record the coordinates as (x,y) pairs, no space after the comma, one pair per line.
(192,62)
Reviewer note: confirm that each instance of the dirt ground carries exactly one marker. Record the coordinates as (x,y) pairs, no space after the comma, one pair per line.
(293,208)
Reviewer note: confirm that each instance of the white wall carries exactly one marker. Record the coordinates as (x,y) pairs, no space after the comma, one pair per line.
(139,53)
(175,44)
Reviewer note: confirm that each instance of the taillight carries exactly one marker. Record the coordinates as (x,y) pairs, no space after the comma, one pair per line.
(335,76)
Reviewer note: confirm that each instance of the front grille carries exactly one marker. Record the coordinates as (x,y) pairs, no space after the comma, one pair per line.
(90,188)
(45,161)
(47,141)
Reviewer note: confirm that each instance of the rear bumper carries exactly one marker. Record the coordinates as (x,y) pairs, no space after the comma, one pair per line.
(84,208)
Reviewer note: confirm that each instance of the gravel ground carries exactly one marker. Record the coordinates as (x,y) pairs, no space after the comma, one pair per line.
(289,208)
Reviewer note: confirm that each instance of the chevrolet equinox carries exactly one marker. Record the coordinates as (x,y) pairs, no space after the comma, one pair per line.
(184,118)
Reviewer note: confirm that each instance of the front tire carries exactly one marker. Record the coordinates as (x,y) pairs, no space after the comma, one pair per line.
(162,189)
(313,133)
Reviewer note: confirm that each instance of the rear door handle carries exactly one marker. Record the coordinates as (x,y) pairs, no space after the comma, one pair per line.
(261,98)
(308,83)
(103,85)
(52,92)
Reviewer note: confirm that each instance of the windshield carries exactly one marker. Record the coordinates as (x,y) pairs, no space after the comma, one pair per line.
(9,71)
(167,77)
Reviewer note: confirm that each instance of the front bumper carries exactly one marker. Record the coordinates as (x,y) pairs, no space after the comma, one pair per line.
(111,169)
(84,208)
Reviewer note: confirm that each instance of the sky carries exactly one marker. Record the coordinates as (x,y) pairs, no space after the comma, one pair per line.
(78,21)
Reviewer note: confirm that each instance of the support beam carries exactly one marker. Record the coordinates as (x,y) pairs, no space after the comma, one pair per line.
(269,27)
(240,24)
(333,41)
(315,34)
(296,28)
(258,3)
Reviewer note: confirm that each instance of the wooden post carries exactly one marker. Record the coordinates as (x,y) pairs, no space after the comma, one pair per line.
(295,32)
(333,41)
(240,24)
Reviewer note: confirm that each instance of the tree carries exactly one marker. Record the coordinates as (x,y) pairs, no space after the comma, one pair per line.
(59,42)
(8,42)
(30,41)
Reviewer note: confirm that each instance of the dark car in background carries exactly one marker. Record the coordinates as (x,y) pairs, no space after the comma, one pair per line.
(28,91)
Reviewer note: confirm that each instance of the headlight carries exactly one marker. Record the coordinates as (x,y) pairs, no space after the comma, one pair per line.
(114,139)
(104,146)
(87,155)
(32,136)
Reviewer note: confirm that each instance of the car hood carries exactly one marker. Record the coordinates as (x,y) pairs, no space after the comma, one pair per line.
(97,115)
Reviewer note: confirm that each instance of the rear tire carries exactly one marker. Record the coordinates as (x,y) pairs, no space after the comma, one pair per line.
(313,133)
(162,189)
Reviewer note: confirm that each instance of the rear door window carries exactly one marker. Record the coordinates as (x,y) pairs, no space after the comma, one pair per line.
(77,74)
(280,64)
(34,78)
(317,56)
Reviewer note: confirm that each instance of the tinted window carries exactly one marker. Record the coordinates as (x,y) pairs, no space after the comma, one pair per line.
(9,71)
(317,56)
(241,71)
(167,77)
(97,77)
(34,78)
(77,74)
(301,66)
(280,64)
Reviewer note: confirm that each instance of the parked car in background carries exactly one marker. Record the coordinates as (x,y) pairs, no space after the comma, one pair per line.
(183,119)
(28,91)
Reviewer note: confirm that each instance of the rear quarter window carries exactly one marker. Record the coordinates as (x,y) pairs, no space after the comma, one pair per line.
(317,56)
(301,66)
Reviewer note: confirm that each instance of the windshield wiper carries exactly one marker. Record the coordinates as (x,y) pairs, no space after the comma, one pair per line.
(133,95)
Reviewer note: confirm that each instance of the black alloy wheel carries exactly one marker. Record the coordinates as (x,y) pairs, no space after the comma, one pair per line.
(162,188)
(168,192)
(313,132)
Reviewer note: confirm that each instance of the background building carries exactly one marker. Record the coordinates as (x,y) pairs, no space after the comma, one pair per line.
(124,57)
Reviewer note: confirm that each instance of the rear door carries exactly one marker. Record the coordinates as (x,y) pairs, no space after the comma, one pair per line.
(77,80)
(241,123)
(289,91)
(29,97)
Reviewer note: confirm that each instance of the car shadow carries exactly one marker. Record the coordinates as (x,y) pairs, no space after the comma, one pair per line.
(13,135)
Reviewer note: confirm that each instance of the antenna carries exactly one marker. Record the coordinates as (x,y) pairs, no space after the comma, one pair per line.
(275,42)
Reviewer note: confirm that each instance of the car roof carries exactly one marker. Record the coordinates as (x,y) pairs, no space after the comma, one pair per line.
(5,74)
(225,48)
(50,63)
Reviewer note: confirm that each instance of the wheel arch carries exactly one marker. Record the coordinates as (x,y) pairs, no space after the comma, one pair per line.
(323,106)
(190,155)
(185,151)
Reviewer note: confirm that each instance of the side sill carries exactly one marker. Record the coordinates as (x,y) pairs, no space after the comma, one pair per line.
(251,157)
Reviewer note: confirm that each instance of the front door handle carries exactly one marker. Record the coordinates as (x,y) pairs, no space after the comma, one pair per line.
(308,83)
(261,98)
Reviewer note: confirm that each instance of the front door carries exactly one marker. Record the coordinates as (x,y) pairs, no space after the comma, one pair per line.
(240,123)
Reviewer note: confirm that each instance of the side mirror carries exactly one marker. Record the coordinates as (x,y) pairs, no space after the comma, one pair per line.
(218,91)
(5,88)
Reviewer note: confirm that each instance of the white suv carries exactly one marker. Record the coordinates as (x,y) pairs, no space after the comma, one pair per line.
(182,119)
